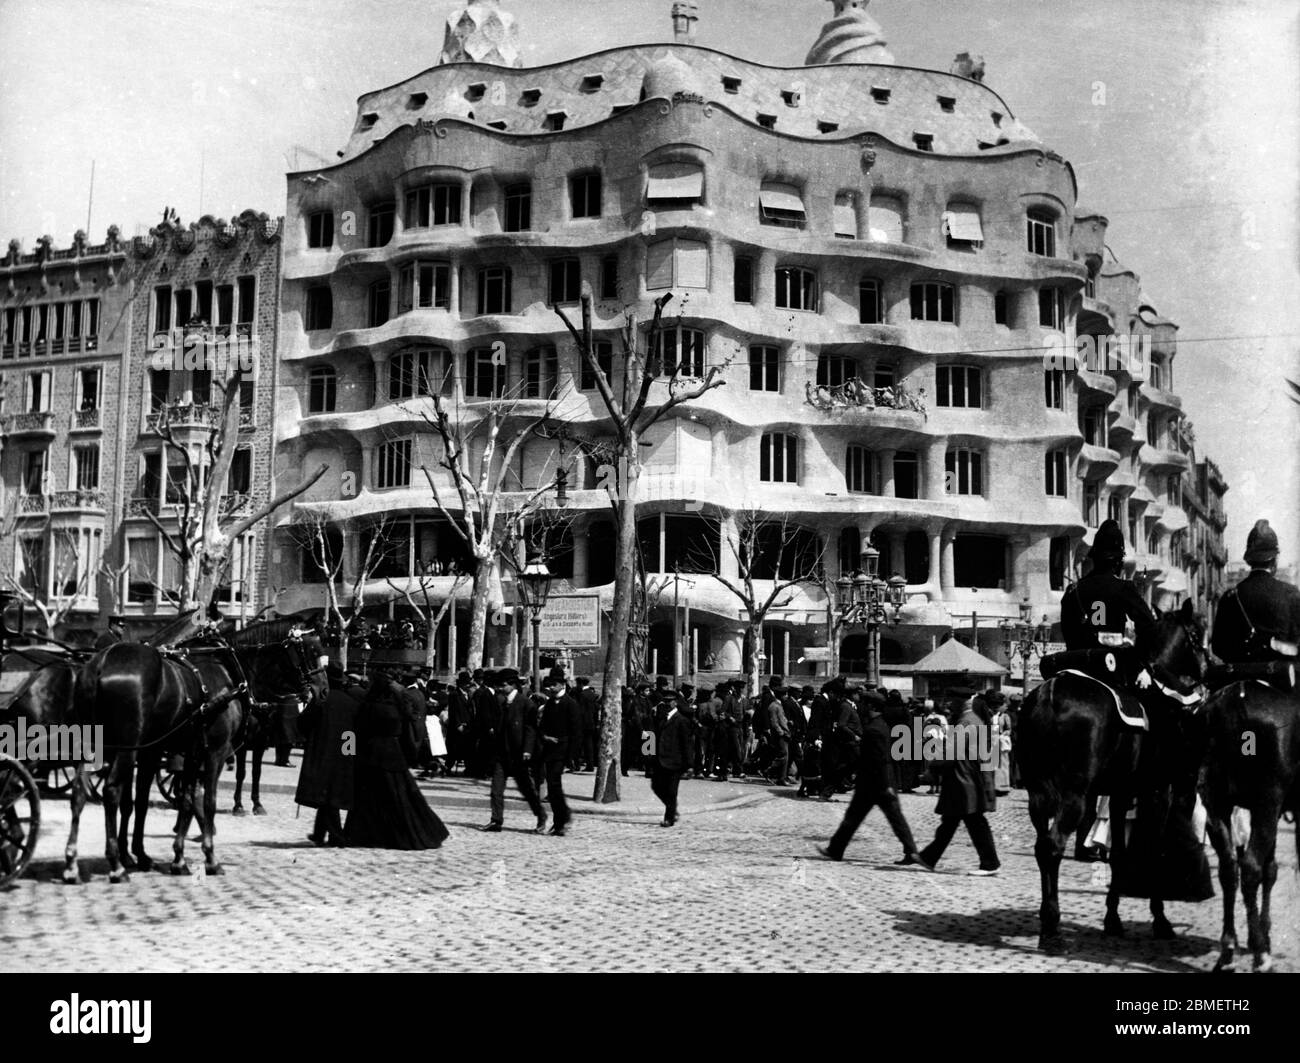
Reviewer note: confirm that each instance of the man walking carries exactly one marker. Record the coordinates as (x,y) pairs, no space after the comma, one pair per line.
(460,723)
(842,741)
(672,757)
(325,780)
(874,787)
(512,753)
(561,723)
(778,733)
(962,797)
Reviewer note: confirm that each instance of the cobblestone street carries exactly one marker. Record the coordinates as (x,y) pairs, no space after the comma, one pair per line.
(737,886)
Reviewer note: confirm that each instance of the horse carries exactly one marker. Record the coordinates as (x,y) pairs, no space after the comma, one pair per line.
(1252,763)
(154,702)
(297,675)
(1073,746)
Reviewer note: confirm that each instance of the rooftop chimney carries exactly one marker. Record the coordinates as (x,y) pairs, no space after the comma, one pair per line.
(685,14)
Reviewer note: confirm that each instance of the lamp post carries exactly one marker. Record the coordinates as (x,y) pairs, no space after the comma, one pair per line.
(1023,636)
(534,588)
(861,600)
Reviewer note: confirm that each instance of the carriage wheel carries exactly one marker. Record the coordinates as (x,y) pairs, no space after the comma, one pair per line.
(59,780)
(168,781)
(95,784)
(20,819)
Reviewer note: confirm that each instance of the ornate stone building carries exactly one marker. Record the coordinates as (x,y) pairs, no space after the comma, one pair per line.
(877,256)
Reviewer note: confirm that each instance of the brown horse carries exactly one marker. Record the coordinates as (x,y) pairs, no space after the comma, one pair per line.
(1073,746)
(1252,763)
(153,703)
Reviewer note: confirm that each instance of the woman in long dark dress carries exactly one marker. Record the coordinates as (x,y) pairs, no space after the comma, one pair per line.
(388,810)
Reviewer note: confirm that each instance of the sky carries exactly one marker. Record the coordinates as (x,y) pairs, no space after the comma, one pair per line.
(1181,119)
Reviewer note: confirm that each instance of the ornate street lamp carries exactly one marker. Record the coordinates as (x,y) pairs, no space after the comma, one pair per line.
(534,588)
(1026,638)
(862,599)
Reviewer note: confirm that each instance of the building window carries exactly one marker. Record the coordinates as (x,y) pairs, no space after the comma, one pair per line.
(1092,504)
(1115,509)
(379,302)
(979,561)
(239,481)
(884,377)
(675,186)
(961,226)
(162,308)
(585,195)
(767,121)
(680,351)
(778,461)
(604,352)
(494,290)
(609,277)
(320,229)
(33,481)
(1054,389)
(959,386)
(485,378)
(1040,228)
(430,205)
(880,95)
(1001,309)
(88,381)
(860,471)
(320,309)
(1174,490)
(519,208)
(923,141)
(393,464)
(380,224)
(846,216)
(870,310)
(781,204)
(932,301)
(85,467)
(415,373)
(38,392)
(743,281)
(1051,308)
(796,288)
(541,373)
(322,389)
(1153,430)
(566,281)
(834,370)
(142,569)
(1090,284)
(554,121)
(1094,426)
(675,263)
(764,369)
(424,284)
(1054,470)
(907,474)
(1058,559)
(963,472)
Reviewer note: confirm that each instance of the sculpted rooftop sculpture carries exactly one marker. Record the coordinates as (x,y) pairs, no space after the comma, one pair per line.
(852,36)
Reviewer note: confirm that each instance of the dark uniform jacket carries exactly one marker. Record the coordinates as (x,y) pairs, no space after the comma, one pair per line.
(673,745)
(1102,602)
(1264,603)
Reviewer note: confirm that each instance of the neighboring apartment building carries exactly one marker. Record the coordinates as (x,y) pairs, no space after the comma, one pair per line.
(877,255)
(211,287)
(64,327)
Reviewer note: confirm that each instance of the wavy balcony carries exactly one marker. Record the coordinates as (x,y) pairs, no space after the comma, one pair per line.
(1123,426)
(1160,397)
(1096,463)
(1173,519)
(1159,459)
(37,425)
(1151,565)
(854,397)
(1096,383)
(1121,482)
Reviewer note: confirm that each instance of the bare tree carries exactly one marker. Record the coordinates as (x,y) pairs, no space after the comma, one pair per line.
(207,525)
(486,490)
(326,546)
(632,413)
(55,580)
(772,558)
(426,607)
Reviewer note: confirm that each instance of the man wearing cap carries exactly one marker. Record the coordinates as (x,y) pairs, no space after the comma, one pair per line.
(116,633)
(874,787)
(1102,601)
(512,752)
(560,724)
(1259,619)
(674,745)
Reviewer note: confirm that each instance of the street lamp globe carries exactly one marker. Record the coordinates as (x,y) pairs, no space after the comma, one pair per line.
(1026,611)
(897,590)
(535,585)
(861,583)
(870,561)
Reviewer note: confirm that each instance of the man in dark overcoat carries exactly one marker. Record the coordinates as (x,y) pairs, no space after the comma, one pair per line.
(962,795)
(560,724)
(673,756)
(512,753)
(460,723)
(325,781)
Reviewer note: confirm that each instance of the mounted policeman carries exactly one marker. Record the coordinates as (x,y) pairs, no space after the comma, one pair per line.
(1094,610)
(1258,620)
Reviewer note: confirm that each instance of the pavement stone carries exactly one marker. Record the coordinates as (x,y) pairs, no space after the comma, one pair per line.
(737,885)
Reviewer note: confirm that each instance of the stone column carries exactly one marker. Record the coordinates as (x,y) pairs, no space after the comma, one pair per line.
(453,306)
(947,567)
(933,576)
(581,554)
(765,280)
(729,647)
(467,203)
(887,472)
(728,565)
(936,469)
(897,556)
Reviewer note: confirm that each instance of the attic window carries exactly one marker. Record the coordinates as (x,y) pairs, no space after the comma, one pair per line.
(923,141)
(731,85)
(496,125)
(985,145)
(531,97)
(554,121)
(767,121)
(997,118)
(369,119)
(476,92)
(791,97)
(880,95)
(619,108)
(827,127)
(417,100)
(592,82)
(948,103)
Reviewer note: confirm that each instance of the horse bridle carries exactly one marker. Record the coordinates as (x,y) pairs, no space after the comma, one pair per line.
(1191,697)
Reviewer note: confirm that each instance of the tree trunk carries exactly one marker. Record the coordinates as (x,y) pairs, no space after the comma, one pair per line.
(343,651)
(610,755)
(431,645)
(755,650)
(478,610)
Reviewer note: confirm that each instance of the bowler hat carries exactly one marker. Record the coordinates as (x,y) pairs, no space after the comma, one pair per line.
(1261,544)
(777,682)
